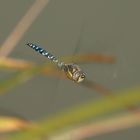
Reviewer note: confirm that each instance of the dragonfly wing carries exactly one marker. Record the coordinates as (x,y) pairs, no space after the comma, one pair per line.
(96,87)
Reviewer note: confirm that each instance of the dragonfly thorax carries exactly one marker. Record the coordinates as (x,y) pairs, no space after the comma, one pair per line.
(74,73)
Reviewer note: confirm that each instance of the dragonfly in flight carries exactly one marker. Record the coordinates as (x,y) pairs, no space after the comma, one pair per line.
(72,71)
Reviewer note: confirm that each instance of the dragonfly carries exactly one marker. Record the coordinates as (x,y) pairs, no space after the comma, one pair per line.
(72,71)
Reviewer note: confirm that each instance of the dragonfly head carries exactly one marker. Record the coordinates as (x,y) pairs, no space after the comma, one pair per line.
(79,76)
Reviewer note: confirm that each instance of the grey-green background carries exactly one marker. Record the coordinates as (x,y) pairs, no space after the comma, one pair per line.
(68,27)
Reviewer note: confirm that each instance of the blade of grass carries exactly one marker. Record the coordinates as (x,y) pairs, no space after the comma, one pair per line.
(19,77)
(12,81)
(115,123)
(11,63)
(10,123)
(80,58)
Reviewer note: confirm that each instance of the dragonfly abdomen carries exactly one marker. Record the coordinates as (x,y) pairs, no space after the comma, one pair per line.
(43,52)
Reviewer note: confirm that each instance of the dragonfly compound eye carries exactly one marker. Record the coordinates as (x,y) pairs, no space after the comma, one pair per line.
(79,76)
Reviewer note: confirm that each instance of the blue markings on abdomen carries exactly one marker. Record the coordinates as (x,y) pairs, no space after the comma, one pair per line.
(43,52)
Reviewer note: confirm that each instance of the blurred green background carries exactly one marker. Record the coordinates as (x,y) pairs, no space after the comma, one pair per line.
(68,27)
